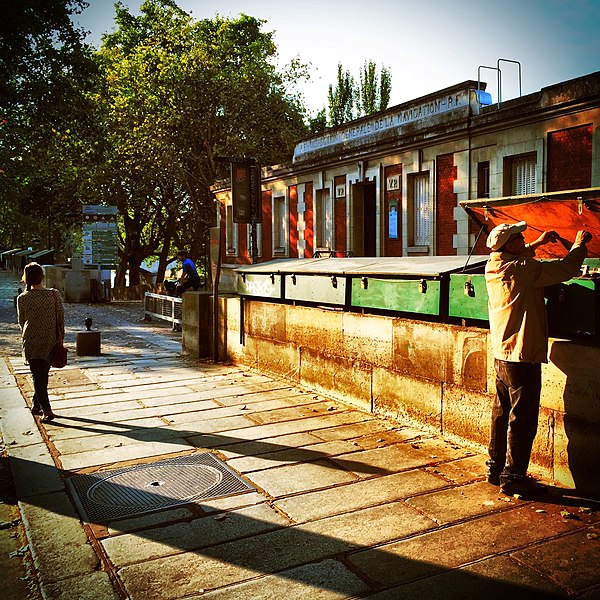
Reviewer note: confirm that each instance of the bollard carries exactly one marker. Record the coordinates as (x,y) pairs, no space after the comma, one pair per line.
(88,342)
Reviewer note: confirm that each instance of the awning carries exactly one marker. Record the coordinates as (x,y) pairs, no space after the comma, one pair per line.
(565,212)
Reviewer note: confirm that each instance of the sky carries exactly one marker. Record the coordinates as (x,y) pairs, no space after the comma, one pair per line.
(426,45)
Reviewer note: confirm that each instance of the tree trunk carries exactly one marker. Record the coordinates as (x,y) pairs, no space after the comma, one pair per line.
(162,261)
(121,271)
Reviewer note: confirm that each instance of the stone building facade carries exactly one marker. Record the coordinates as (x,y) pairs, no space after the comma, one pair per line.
(390,184)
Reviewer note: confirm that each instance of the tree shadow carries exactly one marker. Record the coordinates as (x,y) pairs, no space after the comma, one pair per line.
(192,440)
(334,561)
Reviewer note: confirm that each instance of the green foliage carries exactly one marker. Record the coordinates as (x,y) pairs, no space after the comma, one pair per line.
(370,95)
(374,90)
(318,123)
(139,124)
(385,88)
(44,118)
(177,94)
(341,98)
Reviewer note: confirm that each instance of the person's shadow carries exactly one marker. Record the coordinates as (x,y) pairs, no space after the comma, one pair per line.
(577,427)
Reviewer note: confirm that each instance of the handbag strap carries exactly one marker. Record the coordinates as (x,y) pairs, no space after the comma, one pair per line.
(58,336)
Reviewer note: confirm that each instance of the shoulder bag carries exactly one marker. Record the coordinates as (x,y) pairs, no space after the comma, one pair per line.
(59,354)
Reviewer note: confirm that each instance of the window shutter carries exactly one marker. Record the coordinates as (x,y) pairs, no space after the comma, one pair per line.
(422,210)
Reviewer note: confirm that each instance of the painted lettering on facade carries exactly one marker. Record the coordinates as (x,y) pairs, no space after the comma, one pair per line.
(399,118)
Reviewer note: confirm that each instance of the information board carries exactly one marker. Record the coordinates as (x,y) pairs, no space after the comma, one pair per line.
(100,245)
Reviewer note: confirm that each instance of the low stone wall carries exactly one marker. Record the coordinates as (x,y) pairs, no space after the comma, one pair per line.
(438,376)
(131,292)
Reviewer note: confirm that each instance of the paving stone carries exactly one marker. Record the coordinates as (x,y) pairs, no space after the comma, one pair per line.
(10,396)
(463,470)
(386,437)
(302,477)
(95,400)
(573,561)
(447,506)
(286,548)
(150,520)
(83,460)
(193,535)
(285,394)
(19,427)
(96,586)
(497,578)
(354,430)
(354,496)
(295,412)
(58,543)
(231,502)
(261,432)
(383,461)
(427,554)
(274,444)
(325,580)
(69,427)
(290,455)
(34,471)
(100,442)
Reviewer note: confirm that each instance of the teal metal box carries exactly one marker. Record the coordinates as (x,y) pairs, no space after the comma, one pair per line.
(421,296)
(468,298)
(259,285)
(320,289)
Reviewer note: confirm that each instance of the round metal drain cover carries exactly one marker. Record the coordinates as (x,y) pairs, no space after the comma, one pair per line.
(155,485)
(108,495)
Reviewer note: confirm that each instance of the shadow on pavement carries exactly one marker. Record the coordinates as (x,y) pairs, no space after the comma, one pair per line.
(295,553)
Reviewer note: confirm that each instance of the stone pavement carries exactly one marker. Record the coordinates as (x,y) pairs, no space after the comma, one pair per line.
(343,504)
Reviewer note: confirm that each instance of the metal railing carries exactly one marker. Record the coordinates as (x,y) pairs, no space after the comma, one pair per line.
(167,308)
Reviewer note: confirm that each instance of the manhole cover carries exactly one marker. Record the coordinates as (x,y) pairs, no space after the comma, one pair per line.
(136,490)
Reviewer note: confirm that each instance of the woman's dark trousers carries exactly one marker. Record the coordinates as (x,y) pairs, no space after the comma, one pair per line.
(39,370)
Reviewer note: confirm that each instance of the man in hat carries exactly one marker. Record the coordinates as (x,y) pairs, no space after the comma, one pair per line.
(515,284)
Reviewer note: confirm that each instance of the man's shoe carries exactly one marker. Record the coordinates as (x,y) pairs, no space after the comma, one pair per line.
(493,478)
(36,410)
(522,486)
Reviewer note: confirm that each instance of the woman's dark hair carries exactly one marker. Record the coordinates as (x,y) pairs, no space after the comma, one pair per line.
(33,274)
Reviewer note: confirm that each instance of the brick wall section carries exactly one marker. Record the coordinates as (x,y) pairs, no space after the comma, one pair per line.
(340,218)
(480,248)
(445,205)
(309,235)
(267,226)
(392,247)
(293,224)
(570,158)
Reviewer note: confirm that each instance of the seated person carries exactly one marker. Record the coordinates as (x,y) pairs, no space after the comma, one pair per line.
(189,276)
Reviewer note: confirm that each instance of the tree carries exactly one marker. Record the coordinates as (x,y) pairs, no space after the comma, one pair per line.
(341,99)
(373,93)
(177,94)
(43,116)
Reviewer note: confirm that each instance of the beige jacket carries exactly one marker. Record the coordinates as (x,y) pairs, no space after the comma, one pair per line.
(517,312)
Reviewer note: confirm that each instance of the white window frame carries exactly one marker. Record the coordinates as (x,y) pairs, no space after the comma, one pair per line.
(323,219)
(422,209)
(258,239)
(523,175)
(280,225)
(231,232)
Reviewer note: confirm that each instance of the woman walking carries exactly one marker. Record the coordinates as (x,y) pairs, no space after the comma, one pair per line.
(42,321)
